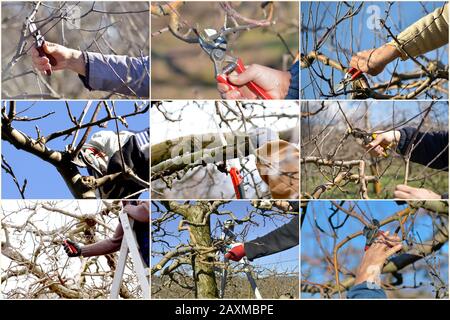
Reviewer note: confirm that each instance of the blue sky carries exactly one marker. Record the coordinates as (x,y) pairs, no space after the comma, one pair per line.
(356,35)
(320,210)
(44,182)
(286,260)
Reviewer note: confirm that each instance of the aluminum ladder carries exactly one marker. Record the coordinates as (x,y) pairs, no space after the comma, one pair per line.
(130,245)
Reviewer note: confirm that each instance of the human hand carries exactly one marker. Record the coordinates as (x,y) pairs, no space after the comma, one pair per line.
(373,61)
(406,192)
(72,249)
(383,140)
(274,82)
(65,58)
(236,253)
(375,257)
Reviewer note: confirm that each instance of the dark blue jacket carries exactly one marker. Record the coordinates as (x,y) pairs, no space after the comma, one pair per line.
(142,232)
(362,291)
(293,87)
(280,239)
(430,148)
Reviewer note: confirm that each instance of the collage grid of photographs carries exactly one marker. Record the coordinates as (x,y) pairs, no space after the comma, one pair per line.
(224,150)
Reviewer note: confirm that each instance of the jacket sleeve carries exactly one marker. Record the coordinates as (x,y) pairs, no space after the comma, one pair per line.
(280,239)
(118,74)
(362,291)
(426,34)
(293,93)
(430,148)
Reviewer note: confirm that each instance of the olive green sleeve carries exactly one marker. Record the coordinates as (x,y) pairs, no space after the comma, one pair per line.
(426,34)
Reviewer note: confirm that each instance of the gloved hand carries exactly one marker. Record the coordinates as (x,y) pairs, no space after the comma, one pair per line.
(236,253)
(72,249)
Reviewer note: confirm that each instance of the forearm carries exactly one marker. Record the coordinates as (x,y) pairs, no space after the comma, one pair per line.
(283,238)
(140,212)
(106,246)
(119,74)
(76,62)
(427,34)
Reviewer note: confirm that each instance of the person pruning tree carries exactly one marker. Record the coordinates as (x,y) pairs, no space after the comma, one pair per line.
(280,239)
(113,73)
(278,84)
(367,281)
(428,148)
(426,34)
(106,153)
(140,213)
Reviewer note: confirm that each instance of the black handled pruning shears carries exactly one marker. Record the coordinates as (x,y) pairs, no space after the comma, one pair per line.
(228,236)
(215,45)
(371,232)
(38,38)
(367,138)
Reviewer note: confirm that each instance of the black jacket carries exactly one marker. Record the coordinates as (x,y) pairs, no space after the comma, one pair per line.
(430,148)
(135,159)
(280,239)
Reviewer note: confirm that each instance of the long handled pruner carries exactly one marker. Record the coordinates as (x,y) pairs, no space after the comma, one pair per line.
(228,236)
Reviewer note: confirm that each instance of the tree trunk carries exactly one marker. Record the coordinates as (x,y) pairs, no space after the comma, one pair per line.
(204,276)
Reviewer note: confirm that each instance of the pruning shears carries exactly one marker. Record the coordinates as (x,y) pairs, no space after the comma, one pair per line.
(72,249)
(229,236)
(215,45)
(39,38)
(227,232)
(367,138)
(351,75)
(232,167)
(371,232)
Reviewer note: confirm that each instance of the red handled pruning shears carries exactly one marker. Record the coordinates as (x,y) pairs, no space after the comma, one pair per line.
(232,167)
(351,75)
(215,45)
(72,249)
(39,38)
(238,182)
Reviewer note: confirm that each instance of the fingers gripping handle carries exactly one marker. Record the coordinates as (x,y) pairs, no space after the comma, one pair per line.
(223,78)
(71,248)
(240,68)
(354,73)
(42,53)
(260,92)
